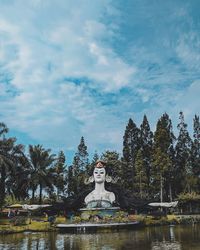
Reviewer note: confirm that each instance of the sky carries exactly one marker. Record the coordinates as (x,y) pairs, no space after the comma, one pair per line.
(83,68)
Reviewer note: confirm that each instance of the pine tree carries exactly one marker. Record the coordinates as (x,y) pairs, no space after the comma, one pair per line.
(130,148)
(79,166)
(183,157)
(82,155)
(113,163)
(162,167)
(141,179)
(60,171)
(90,167)
(161,164)
(71,181)
(146,144)
(195,153)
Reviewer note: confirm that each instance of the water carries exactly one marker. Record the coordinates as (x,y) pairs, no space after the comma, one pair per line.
(154,238)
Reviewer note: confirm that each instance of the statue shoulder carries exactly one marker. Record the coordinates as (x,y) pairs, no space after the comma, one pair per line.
(89,197)
(111,196)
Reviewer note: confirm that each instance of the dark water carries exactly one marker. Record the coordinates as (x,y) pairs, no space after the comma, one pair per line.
(154,238)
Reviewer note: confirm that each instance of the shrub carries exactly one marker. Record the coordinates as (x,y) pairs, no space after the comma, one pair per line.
(18,221)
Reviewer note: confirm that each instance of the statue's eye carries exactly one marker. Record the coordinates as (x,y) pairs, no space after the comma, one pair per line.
(102,172)
(96,172)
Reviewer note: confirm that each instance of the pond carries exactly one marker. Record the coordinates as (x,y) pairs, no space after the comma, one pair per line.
(184,237)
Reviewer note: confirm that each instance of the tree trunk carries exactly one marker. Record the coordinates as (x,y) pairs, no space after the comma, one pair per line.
(170,192)
(161,189)
(140,186)
(40,197)
(33,195)
(190,206)
(2,186)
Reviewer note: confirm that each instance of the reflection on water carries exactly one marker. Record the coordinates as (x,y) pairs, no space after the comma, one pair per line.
(166,245)
(153,238)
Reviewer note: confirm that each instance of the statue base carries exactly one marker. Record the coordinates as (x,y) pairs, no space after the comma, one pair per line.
(96,227)
(97,214)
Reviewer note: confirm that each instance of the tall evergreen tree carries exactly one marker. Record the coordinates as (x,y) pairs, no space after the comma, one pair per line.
(130,148)
(113,162)
(82,155)
(146,144)
(141,179)
(71,181)
(183,157)
(79,166)
(162,167)
(60,172)
(195,153)
(77,175)
(90,167)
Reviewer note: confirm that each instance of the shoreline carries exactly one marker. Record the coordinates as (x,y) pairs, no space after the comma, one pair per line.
(144,220)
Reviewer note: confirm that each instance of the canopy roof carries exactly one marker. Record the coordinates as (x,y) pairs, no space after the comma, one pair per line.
(163,204)
(34,207)
(15,206)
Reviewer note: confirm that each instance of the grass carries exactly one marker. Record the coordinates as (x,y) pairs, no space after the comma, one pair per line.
(164,220)
(44,226)
(35,226)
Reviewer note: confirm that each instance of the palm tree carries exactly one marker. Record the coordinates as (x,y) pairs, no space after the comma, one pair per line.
(18,180)
(10,157)
(41,174)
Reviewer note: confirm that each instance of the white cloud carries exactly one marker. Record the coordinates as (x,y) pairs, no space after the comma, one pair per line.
(84,56)
(63,72)
(189,101)
(188,50)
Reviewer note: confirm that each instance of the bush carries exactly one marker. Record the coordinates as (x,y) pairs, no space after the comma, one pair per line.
(77,219)
(18,221)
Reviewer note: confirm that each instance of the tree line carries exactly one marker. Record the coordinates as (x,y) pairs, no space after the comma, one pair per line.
(152,165)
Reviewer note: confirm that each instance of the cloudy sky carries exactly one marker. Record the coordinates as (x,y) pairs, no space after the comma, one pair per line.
(72,68)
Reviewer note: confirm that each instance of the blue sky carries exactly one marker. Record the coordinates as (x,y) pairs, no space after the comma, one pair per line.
(83,68)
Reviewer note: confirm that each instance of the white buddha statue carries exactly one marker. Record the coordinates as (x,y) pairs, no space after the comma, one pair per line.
(99,197)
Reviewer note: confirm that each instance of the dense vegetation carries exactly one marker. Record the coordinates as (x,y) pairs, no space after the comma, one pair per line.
(153,165)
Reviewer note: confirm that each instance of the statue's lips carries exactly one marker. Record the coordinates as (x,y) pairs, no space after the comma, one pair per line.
(99,178)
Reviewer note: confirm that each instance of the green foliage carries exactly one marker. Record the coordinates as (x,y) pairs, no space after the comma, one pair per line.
(183,155)
(162,158)
(19,221)
(13,167)
(113,163)
(131,145)
(185,197)
(90,167)
(152,165)
(77,219)
(146,147)
(93,217)
(78,171)
(11,199)
(59,171)
(42,171)
(195,153)
(121,216)
(141,179)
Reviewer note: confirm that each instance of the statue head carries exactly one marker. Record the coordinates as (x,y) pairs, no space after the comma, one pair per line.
(100,164)
(99,173)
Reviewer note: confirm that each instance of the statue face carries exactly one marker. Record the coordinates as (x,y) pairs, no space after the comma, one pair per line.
(99,175)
